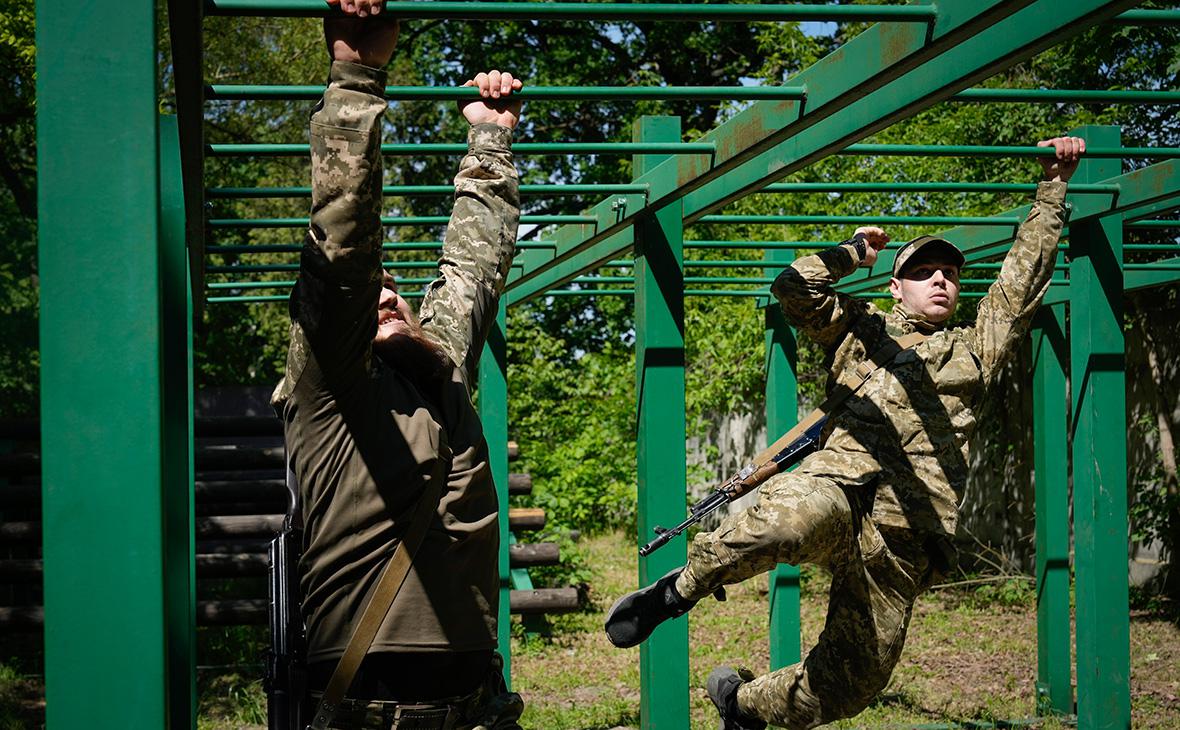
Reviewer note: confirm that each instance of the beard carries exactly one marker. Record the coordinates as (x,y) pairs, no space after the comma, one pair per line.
(417,357)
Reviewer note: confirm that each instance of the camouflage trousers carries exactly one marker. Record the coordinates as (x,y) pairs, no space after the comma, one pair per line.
(490,707)
(809,518)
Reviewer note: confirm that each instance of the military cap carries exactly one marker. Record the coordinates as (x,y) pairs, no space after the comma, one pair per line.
(911,248)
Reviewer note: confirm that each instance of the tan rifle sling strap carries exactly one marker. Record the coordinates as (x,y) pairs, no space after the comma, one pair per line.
(764,464)
(382,596)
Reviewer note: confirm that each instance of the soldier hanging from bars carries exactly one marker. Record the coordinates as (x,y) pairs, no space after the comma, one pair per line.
(878,503)
(377,408)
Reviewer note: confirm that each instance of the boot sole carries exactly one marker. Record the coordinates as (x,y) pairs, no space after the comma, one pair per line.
(622,599)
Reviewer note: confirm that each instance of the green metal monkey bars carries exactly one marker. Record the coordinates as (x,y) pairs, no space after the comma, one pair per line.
(116,326)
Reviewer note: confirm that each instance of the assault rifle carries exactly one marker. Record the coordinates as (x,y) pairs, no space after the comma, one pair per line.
(286,665)
(749,478)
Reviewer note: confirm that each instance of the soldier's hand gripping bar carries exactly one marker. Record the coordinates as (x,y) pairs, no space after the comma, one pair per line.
(749,478)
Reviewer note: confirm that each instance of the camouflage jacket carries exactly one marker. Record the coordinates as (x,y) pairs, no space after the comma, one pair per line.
(364,438)
(905,432)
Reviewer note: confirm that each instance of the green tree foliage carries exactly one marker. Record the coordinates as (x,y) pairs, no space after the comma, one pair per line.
(571,362)
(18,212)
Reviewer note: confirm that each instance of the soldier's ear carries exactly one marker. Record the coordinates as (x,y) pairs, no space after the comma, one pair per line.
(895,288)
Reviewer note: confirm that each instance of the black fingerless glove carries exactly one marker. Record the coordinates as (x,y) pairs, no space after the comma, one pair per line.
(857,242)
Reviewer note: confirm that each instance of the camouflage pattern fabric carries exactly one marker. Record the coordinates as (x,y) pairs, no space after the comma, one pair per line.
(907,429)
(460,305)
(806,516)
(490,707)
(893,461)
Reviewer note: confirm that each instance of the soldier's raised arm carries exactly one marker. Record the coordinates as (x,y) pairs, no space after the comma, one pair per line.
(461,304)
(333,305)
(1005,314)
(805,288)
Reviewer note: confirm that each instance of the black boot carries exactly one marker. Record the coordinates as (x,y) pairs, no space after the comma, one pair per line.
(723,690)
(636,615)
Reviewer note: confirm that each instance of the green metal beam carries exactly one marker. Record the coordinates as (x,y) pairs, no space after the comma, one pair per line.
(258,92)
(109,421)
(1167,272)
(406,220)
(1061,96)
(759,245)
(429,190)
(258,248)
(736,293)
(588,11)
(1139,190)
(962,150)
(782,413)
(176,318)
(418,149)
(529,94)
(185,34)
(1149,17)
(275,268)
(923,187)
(1050,353)
(1154,224)
(425,149)
(888,73)
(896,220)
(1097,374)
(493,414)
(221,193)
(661,459)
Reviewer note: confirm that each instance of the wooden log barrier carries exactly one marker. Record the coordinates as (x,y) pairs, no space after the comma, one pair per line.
(253,562)
(244,612)
(521,519)
(230,527)
(210,493)
(520,484)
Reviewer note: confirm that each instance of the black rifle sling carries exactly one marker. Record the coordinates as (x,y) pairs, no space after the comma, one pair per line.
(383,595)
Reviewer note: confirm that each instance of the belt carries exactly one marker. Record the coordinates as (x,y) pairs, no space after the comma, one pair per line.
(387,715)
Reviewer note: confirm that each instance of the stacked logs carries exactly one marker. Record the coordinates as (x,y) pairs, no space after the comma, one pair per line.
(240,501)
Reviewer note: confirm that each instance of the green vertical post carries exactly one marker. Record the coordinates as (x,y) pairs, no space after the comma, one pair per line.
(180,588)
(1099,462)
(1050,350)
(782,413)
(103,384)
(662,465)
(493,412)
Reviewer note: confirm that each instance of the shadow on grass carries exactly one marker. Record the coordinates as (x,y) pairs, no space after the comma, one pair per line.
(1146,607)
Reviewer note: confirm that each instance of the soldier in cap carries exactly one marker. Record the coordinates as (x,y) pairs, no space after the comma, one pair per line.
(376,404)
(878,504)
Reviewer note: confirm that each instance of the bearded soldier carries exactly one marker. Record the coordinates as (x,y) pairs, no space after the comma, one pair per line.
(878,504)
(377,407)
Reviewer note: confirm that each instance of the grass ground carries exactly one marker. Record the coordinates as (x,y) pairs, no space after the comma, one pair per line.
(970,656)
